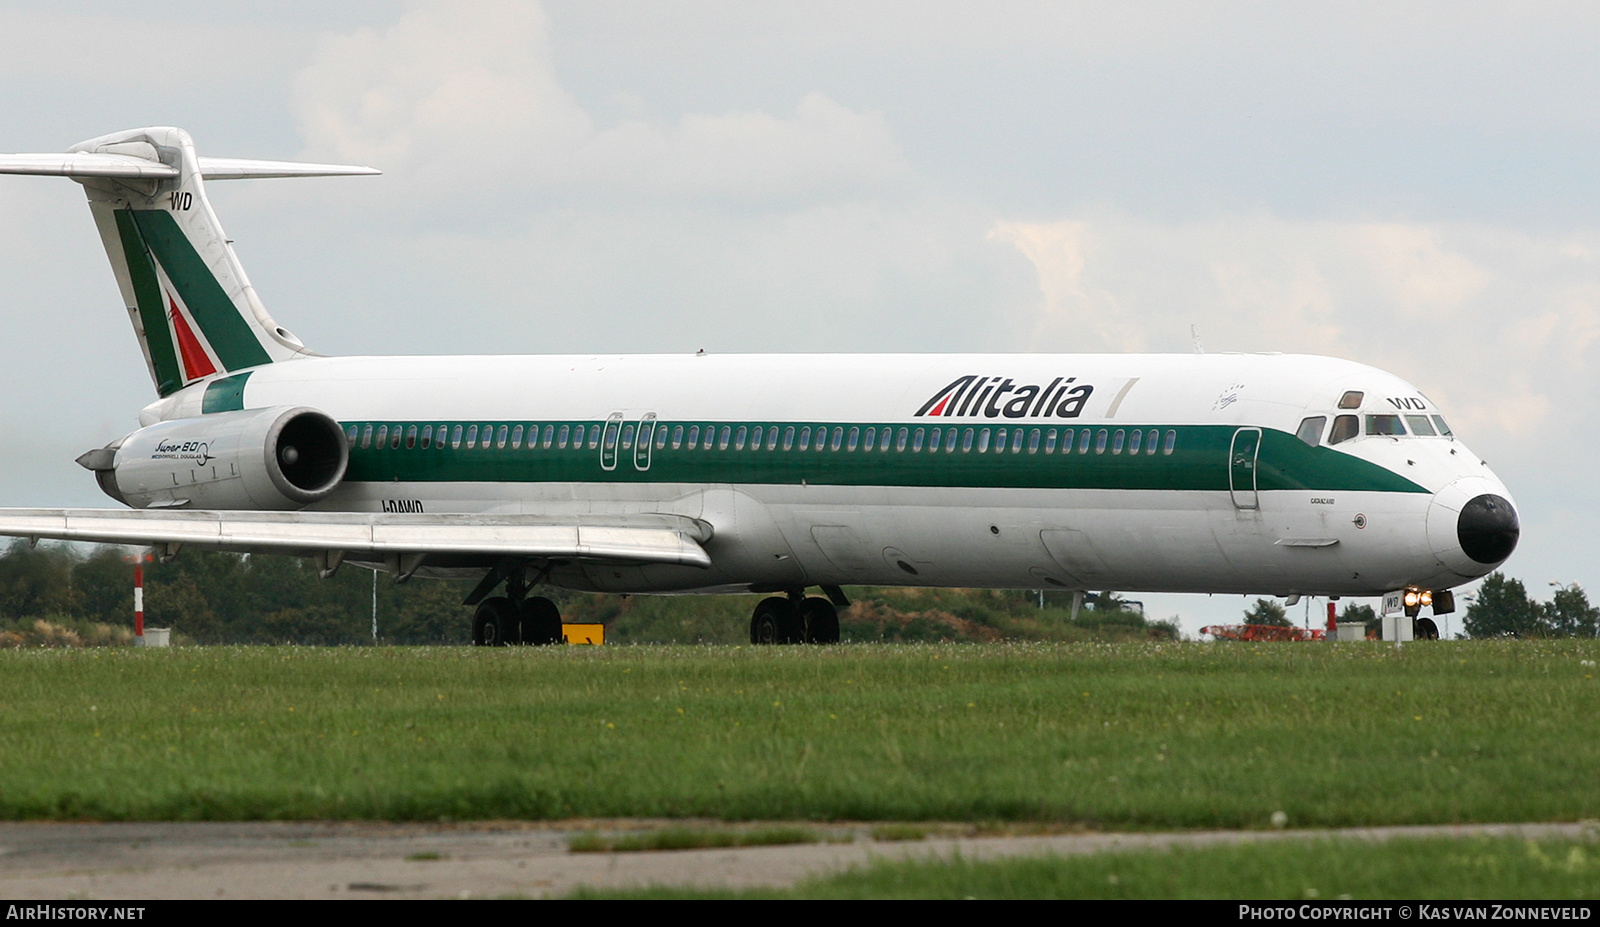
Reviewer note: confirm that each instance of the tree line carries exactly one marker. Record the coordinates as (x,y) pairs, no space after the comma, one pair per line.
(61,595)
(207,597)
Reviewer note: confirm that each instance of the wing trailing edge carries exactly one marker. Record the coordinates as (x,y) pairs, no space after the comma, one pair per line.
(663,539)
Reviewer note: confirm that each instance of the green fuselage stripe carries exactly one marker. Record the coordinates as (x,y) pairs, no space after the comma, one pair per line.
(225,395)
(152,314)
(219,319)
(1199,459)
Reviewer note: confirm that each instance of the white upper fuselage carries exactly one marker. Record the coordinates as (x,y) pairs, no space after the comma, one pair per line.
(1194,514)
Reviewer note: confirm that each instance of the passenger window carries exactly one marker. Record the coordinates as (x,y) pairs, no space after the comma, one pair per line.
(788,437)
(427,436)
(561,442)
(772,437)
(950,441)
(548,437)
(1083,441)
(661,437)
(1016,441)
(722,438)
(966,441)
(516,438)
(1100,442)
(366,437)
(933,441)
(739,437)
(351,434)
(1050,441)
(1150,443)
(694,437)
(411,437)
(805,438)
(1420,425)
(999,440)
(1172,442)
(867,439)
(855,439)
(1134,438)
(1385,425)
(677,436)
(383,437)
(1310,430)
(594,437)
(983,441)
(1117,441)
(627,437)
(500,437)
(900,439)
(755,438)
(1351,399)
(1444,429)
(838,438)
(916,441)
(394,438)
(1033,441)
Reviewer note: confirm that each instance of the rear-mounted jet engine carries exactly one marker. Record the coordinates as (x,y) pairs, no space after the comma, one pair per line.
(281,458)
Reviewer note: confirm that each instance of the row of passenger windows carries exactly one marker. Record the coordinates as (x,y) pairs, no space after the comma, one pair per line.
(1346,427)
(771,437)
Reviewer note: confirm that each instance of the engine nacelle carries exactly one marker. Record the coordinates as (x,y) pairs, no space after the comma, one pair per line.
(281,458)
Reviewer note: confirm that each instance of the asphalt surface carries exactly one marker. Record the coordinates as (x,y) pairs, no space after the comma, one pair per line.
(86,861)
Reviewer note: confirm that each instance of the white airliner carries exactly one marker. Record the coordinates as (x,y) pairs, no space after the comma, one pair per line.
(1236,473)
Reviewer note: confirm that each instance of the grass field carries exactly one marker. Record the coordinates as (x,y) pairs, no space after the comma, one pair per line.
(1120,736)
(1321,870)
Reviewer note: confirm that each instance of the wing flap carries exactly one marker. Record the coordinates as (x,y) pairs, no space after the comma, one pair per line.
(667,539)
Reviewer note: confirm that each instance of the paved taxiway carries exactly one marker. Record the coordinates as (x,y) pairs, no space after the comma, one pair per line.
(492,860)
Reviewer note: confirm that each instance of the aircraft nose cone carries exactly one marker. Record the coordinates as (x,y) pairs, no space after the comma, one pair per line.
(1472,525)
(1488,528)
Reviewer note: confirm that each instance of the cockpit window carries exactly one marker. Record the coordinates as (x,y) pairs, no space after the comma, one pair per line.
(1311,429)
(1345,427)
(1385,425)
(1351,399)
(1443,428)
(1420,425)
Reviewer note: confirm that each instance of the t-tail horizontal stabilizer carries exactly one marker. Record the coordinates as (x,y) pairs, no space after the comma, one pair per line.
(193,309)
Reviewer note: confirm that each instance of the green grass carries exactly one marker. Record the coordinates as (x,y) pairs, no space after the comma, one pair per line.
(1301,871)
(1121,736)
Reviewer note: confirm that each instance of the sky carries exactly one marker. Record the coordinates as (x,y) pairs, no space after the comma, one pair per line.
(1414,186)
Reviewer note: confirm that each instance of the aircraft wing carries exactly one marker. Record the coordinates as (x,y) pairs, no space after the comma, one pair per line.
(644,538)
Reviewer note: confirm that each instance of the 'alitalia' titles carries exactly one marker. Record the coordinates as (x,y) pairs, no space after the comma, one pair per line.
(994,397)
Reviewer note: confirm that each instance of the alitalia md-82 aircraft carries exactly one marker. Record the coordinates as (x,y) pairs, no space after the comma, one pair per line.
(1254,474)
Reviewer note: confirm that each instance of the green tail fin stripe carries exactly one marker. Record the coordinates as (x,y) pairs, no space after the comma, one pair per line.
(152,314)
(219,319)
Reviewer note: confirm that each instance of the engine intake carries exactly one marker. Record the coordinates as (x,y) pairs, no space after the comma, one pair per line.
(280,458)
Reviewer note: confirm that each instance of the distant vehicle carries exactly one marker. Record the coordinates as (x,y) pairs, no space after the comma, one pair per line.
(1255,474)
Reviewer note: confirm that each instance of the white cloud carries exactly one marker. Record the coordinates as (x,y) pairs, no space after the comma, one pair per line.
(464,100)
(1499,327)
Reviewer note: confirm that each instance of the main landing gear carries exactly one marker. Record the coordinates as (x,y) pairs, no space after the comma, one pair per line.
(795,620)
(515,618)
(499,621)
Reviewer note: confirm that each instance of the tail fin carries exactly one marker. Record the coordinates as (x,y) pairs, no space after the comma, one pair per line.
(192,306)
